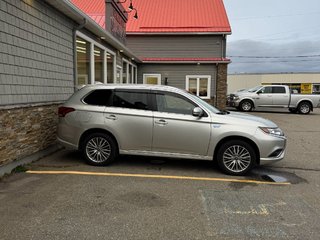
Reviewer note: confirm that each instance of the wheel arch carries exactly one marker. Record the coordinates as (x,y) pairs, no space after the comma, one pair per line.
(305,101)
(85,134)
(245,139)
(247,99)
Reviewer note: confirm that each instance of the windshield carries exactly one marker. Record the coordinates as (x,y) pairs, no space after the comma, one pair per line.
(203,103)
(254,89)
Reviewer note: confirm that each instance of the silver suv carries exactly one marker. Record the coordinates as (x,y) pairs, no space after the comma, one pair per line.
(103,121)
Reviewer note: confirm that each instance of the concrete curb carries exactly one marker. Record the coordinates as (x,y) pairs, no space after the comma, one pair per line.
(7,168)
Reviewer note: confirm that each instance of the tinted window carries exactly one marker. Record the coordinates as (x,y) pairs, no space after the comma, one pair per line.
(100,97)
(278,90)
(135,100)
(174,104)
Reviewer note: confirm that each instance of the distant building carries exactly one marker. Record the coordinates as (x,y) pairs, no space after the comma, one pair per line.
(300,82)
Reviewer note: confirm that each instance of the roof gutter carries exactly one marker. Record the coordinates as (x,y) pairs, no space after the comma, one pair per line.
(73,12)
(178,33)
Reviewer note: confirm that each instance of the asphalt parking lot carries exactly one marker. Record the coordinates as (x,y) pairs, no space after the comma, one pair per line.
(60,197)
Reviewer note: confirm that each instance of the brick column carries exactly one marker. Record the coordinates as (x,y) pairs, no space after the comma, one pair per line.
(221,85)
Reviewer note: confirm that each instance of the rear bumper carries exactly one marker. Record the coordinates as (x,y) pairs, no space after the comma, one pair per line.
(67,144)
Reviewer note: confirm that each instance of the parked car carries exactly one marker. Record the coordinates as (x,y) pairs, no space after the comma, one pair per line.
(275,96)
(103,121)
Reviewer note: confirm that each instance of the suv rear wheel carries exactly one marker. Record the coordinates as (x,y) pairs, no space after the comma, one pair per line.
(236,157)
(99,149)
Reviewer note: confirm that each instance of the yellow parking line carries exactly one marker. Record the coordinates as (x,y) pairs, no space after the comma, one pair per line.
(156,176)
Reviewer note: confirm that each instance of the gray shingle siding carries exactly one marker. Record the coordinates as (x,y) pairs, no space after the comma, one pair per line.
(175,46)
(176,73)
(36,53)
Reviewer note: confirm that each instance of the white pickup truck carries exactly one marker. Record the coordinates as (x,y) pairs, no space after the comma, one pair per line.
(274,96)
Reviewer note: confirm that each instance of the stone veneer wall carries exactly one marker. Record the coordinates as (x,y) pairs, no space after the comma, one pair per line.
(221,86)
(26,130)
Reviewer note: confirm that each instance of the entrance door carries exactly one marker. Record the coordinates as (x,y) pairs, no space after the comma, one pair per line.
(152,79)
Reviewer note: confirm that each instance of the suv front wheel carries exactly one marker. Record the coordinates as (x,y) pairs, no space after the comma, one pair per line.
(236,157)
(99,149)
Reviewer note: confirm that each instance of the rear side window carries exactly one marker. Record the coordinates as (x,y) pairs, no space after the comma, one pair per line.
(278,90)
(133,100)
(101,97)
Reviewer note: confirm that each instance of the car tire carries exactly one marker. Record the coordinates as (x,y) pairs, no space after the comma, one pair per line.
(246,105)
(304,108)
(236,157)
(99,149)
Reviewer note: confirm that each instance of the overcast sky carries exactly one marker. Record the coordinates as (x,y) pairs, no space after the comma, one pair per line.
(263,29)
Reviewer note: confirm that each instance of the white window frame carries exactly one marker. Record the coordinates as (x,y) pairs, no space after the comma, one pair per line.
(158,75)
(105,50)
(121,80)
(198,84)
(130,65)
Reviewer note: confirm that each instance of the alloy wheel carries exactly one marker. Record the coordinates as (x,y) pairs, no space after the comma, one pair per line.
(236,158)
(98,149)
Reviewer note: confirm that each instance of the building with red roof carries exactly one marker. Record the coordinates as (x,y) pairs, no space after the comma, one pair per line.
(180,43)
(50,48)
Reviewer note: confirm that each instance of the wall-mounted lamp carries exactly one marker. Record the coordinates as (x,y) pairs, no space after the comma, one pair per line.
(131,8)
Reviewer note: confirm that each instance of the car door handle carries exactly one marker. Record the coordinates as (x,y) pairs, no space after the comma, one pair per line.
(161,122)
(111,117)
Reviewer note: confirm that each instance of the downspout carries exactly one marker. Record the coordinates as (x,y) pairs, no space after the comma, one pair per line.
(216,84)
(74,33)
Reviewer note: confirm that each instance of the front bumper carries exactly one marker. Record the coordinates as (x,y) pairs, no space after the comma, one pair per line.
(232,103)
(272,149)
(269,160)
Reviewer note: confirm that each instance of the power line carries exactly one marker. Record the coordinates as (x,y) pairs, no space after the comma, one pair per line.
(282,61)
(298,56)
(275,16)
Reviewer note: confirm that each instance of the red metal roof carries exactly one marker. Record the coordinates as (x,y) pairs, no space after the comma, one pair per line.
(170,16)
(166,16)
(94,9)
(227,60)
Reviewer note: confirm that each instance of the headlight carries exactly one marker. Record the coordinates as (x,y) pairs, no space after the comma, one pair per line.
(272,131)
(236,98)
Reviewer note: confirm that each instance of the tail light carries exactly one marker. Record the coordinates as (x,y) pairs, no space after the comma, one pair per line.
(63,111)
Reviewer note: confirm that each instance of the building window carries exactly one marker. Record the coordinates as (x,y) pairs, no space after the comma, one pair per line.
(119,74)
(130,79)
(83,61)
(152,79)
(124,72)
(135,75)
(98,65)
(110,67)
(199,85)
(95,63)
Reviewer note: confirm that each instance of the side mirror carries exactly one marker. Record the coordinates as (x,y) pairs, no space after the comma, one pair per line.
(197,112)
(259,92)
